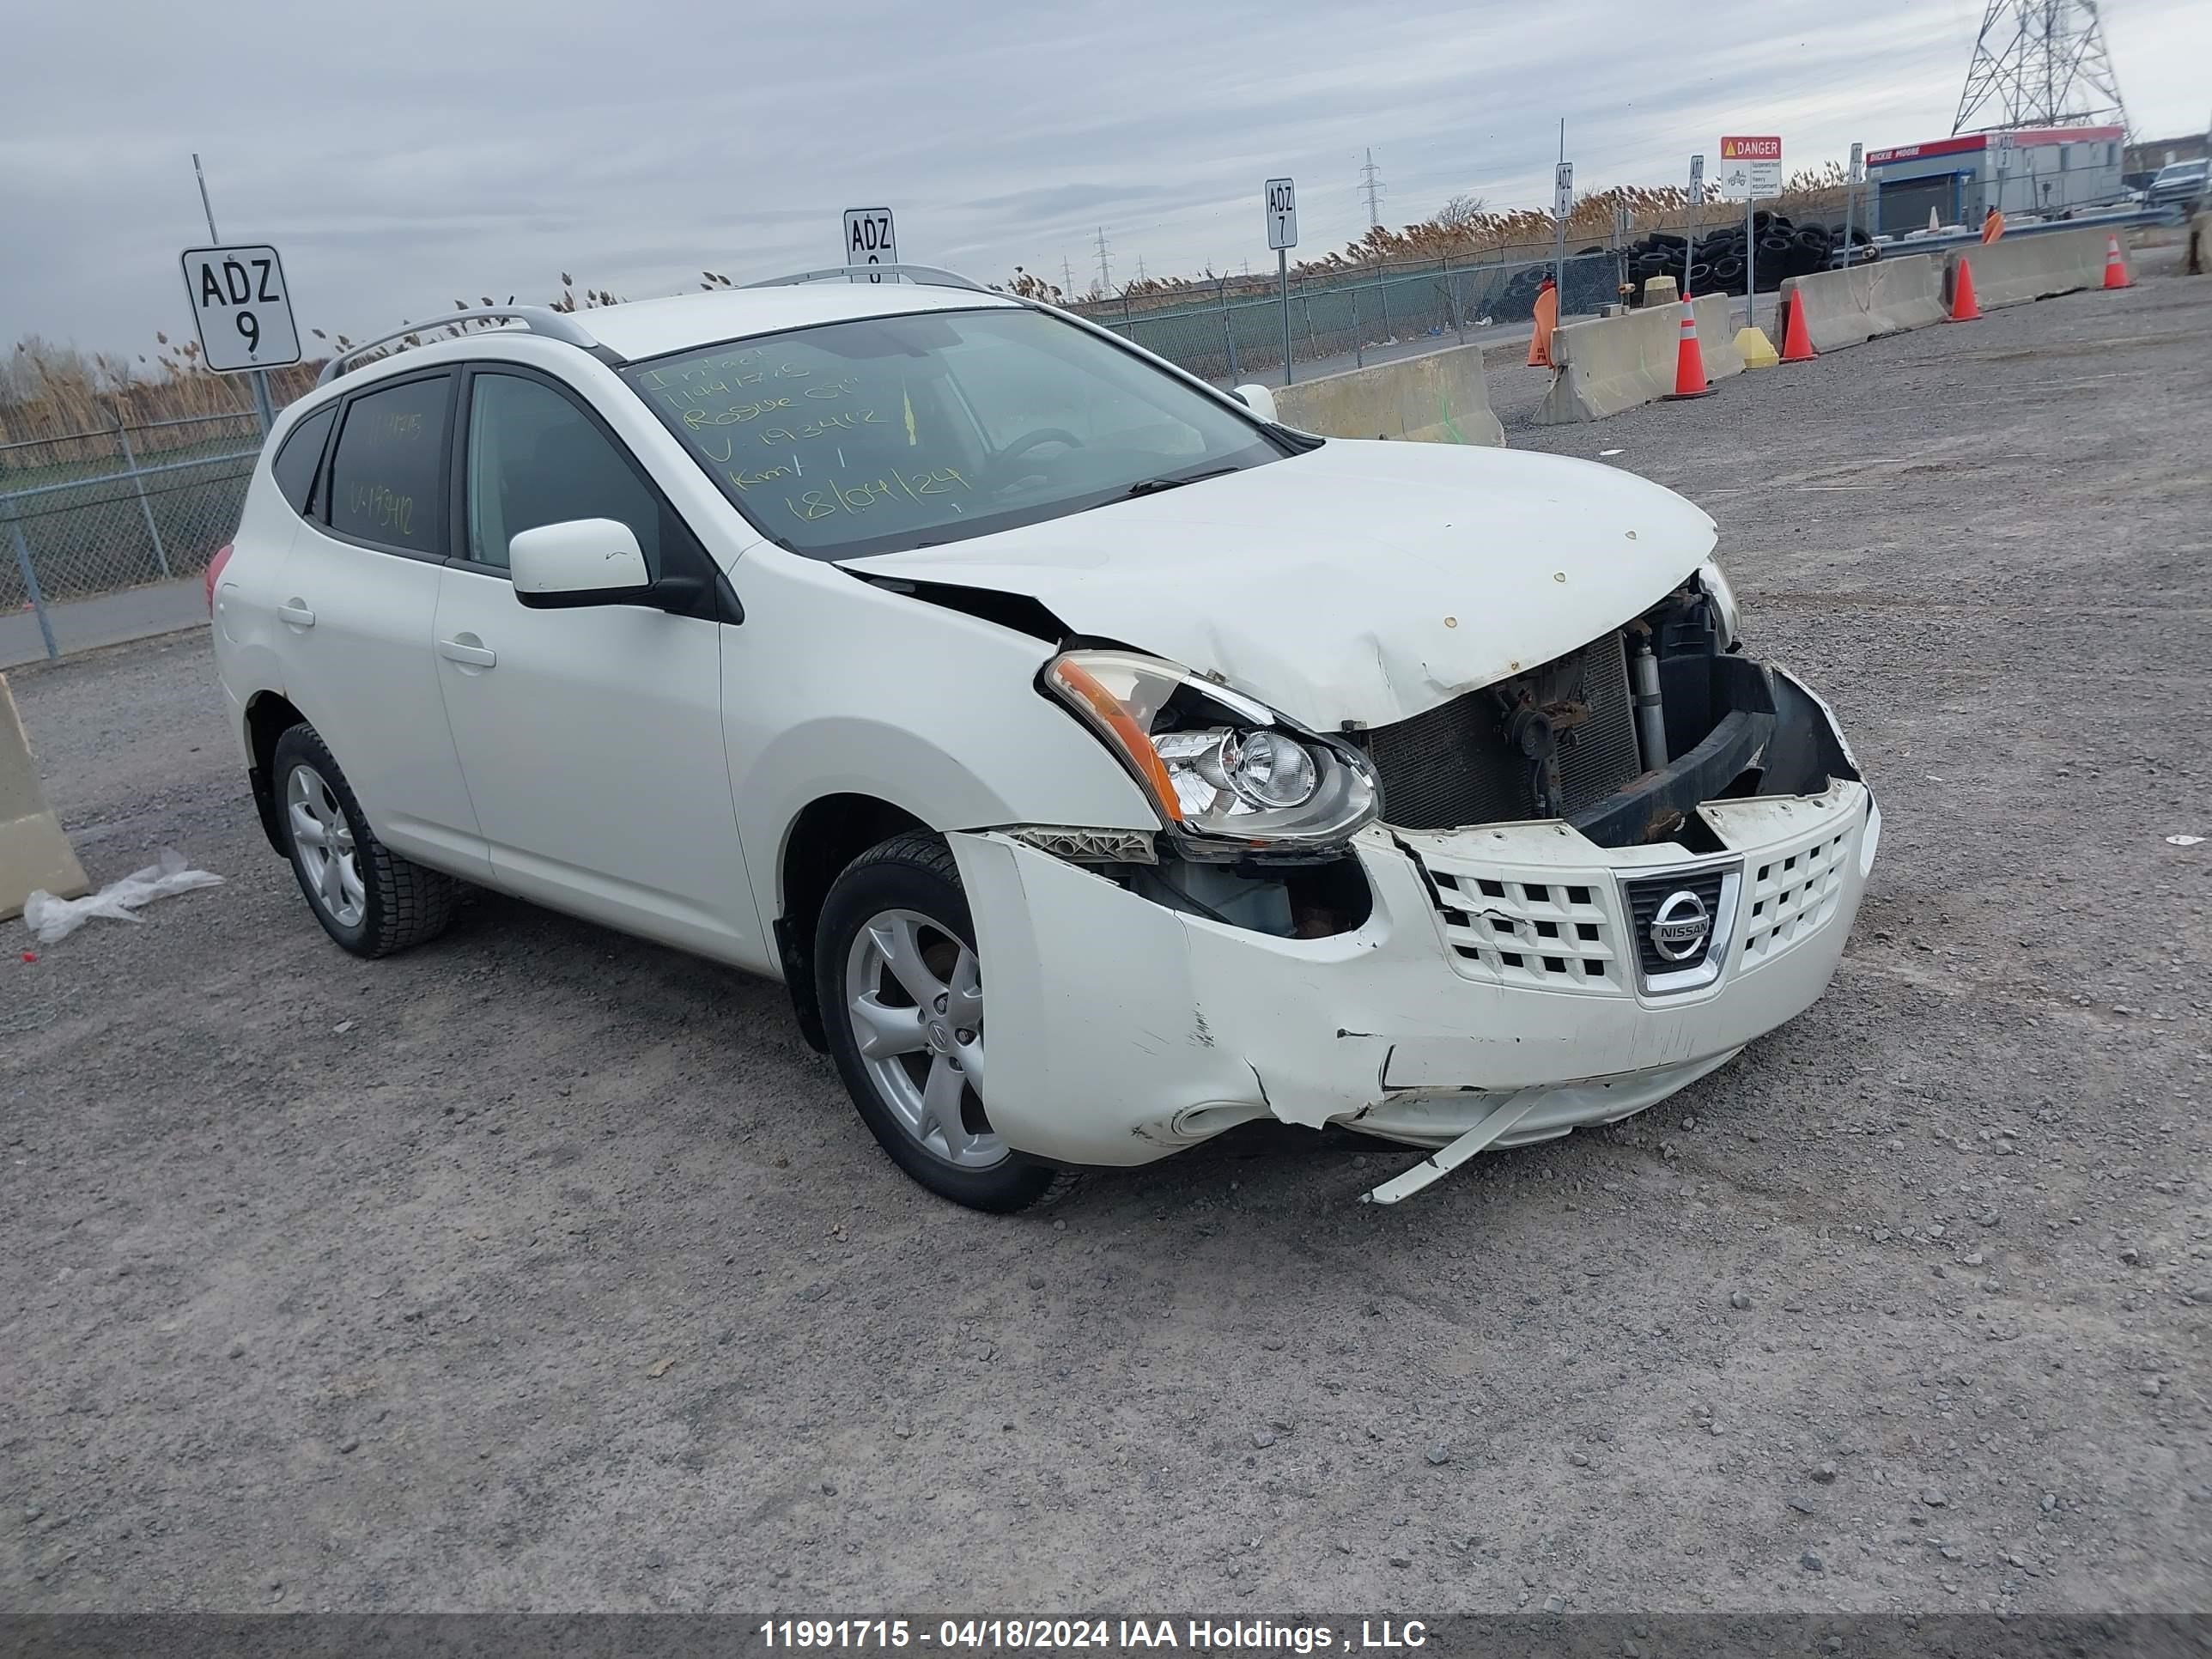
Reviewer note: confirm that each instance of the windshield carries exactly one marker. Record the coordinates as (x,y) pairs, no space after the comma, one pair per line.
(2173,170)
(892,432)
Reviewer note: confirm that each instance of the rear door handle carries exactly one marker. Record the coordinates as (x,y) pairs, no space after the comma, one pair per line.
(295,613)
(466,651)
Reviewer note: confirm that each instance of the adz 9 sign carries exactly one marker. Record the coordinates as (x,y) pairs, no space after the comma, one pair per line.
(870,239)
(241,308)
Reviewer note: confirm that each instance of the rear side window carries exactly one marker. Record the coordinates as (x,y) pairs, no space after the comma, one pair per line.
(297,462)
(388,475)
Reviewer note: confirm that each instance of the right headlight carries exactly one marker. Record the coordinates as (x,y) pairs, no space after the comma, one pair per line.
(1227,775)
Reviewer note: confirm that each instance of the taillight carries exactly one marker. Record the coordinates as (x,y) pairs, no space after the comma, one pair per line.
(215,572)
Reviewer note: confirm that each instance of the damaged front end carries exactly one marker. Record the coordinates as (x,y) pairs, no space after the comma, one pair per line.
(1549,903)
(1621,739)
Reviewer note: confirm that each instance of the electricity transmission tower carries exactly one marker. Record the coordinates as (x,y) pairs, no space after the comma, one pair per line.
(1067,278)
(1372,187)
(1105,271)
(2039,64)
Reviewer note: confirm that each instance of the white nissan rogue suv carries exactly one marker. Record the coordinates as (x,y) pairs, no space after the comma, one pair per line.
(1100,762)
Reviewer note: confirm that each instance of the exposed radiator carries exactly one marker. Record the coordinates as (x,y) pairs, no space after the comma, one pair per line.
(1452,766)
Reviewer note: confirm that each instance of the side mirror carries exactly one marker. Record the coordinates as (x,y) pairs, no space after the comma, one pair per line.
(581,561)
(1259,400)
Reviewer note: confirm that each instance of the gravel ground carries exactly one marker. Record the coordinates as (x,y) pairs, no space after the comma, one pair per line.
(541,1269)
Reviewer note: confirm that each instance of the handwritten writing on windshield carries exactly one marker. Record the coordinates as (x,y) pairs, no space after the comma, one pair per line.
(699,385)
(893,487)
(849,420)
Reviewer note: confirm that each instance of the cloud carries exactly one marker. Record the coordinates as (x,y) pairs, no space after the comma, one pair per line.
(408,153)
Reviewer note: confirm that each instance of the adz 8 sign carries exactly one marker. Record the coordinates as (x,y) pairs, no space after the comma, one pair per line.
(241,308)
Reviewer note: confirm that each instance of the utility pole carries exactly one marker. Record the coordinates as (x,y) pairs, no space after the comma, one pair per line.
(1105,270)
(2039,64)
(1372,187)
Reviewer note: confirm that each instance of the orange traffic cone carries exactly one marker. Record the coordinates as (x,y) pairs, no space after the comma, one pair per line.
(2115,268)
(1796,344)
(1963,308)
(1689,361)
(1547,318)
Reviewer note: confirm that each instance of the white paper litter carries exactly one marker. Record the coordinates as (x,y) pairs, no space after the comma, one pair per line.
(2183,840)
(53,919)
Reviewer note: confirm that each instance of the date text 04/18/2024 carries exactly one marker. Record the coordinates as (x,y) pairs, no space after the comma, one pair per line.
(1115,1635)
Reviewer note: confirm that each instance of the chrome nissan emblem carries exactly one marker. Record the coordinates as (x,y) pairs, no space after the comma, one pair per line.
(1679,932)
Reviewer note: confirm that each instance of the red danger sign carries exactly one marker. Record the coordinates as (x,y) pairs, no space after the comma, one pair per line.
(1751,149)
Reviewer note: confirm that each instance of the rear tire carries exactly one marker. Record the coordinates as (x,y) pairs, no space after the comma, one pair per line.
(368,898)
(901,991)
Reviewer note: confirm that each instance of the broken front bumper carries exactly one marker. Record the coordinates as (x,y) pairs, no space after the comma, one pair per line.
(1505,966)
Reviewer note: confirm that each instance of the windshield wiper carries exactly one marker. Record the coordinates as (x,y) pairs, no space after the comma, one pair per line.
(1153,486)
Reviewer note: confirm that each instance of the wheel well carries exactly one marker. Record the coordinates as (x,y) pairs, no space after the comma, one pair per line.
(268,716)
(824,838)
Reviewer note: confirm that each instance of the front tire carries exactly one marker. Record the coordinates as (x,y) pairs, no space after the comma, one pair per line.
(368,898)
(901,990)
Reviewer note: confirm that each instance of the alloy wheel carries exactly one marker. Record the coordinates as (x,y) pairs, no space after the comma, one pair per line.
(324,842)
(914,992)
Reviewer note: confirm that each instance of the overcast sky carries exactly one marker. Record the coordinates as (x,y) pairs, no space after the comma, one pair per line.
(403,155)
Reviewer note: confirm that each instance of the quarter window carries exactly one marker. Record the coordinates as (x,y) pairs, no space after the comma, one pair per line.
(536,458)
(297,462)
(387,478)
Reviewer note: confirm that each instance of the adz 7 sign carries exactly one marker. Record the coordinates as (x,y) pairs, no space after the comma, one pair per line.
(241,308)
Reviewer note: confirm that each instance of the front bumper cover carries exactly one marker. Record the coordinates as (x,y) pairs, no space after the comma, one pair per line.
(1122,1031)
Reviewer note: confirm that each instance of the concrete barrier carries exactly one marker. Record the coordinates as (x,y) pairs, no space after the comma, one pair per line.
(1660,291)
(1885,296)
(34,854)
(1440,398)
(1617,362)
(2015,270)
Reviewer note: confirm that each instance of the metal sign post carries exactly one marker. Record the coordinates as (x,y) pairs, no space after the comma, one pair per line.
(1751,167)
(1280,199)
(1697,215)
(871,239)
(1851,197)
(247,312)
(1563,203)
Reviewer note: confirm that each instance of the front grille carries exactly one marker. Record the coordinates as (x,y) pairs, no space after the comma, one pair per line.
(1647,897)
(1792,892)
(1555,934)
(1452,766)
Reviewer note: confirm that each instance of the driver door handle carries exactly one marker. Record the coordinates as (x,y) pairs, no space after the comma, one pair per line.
(295,613)
(465,650)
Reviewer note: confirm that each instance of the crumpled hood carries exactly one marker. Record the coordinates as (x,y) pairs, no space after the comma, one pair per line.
(1363,581)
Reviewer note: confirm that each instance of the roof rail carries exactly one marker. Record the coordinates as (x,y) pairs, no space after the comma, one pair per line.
(535,319)
(927,275)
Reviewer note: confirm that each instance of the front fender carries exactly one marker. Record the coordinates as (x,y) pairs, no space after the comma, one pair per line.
(835,686)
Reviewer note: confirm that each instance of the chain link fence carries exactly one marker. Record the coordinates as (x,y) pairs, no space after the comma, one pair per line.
(1236,331)
(88,512)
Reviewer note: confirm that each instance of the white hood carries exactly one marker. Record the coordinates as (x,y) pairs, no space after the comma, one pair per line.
(1361,581)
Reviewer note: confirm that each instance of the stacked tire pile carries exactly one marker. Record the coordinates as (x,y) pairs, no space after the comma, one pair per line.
(1718,264)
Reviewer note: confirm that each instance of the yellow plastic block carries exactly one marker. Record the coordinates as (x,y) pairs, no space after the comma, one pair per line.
(1758,351)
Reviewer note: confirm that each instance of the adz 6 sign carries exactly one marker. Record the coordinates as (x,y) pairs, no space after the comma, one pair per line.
(241,308)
